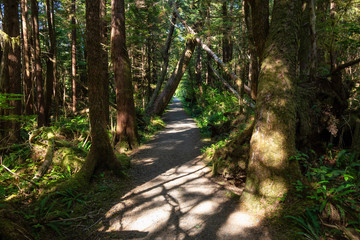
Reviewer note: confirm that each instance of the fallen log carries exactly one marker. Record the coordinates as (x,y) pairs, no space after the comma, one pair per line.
(48,157)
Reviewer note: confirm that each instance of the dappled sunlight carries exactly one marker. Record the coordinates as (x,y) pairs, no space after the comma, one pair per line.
(174,197)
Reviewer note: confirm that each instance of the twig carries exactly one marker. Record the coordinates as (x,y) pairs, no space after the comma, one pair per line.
(17,175)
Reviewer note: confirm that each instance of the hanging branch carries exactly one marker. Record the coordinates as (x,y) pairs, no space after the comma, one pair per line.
(233,76)
(229,87)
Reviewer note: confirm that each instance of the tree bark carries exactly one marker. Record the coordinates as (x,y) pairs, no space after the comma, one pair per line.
(73,54)
(126,131)
(28,91)
(13,64)
(165,96)
(38,67)
(50,63)
(271,172)
(101,152)
(105,57)
(257,21)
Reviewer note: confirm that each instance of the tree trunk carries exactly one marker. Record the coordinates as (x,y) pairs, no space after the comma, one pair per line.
(198,70)
(227,43)
(105,57)
(28,90)
(13,81)
(126,120)
(165,96)
(50,63)
(73,54)
(38,66)
(101,152)
(271,172)
(257,21)
(165,55)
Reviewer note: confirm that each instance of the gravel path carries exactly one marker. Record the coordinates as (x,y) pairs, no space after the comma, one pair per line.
(174,197)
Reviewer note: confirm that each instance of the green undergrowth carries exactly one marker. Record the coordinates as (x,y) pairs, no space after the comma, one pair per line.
(148,126)
(332,189)
(46,209)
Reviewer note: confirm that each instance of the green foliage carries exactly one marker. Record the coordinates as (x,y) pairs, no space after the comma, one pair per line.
(148,126)
(45,214)
(215,110)
(69,198)
(334,191)
(309,222)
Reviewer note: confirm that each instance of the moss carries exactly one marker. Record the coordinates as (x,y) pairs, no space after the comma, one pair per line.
(124,160)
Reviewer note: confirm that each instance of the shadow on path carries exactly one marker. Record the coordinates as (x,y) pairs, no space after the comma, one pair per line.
(174,198)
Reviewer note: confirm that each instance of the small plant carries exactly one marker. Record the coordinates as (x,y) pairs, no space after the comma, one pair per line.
(309,222)
(69,198)
(45,215)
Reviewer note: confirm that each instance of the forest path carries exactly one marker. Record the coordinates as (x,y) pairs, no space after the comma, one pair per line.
(174,197)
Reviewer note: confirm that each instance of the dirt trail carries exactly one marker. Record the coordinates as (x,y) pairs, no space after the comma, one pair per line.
(174,197)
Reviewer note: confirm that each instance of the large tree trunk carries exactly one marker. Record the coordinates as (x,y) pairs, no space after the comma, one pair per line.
(73,54)
(28,90)
(13,78)
(271,172)
(170,87)
(126,120)
(165,55)
(101,152)
(37,61)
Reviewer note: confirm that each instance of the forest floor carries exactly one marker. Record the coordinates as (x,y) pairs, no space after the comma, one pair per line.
(173,195)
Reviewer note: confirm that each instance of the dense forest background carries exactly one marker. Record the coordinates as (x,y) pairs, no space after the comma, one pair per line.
(274,86)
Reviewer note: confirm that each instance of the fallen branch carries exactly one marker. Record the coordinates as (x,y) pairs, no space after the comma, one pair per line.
(17,175)
(233,76)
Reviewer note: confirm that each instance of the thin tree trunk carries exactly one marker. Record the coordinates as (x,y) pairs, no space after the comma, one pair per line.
(28,91)
(101,152)
(105,57)
(55,73)
(126,130)
(37,63)
(165,55)
(73,54)
(50,63)
(257,21)
(313,37)
(165,96)
(198,70)
(270,172)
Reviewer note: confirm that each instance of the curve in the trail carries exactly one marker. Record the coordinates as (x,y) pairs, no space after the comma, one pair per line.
(174,197)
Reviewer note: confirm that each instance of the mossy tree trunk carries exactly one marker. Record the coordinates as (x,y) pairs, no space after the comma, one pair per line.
(101,153)
(126,130)
(270,172)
